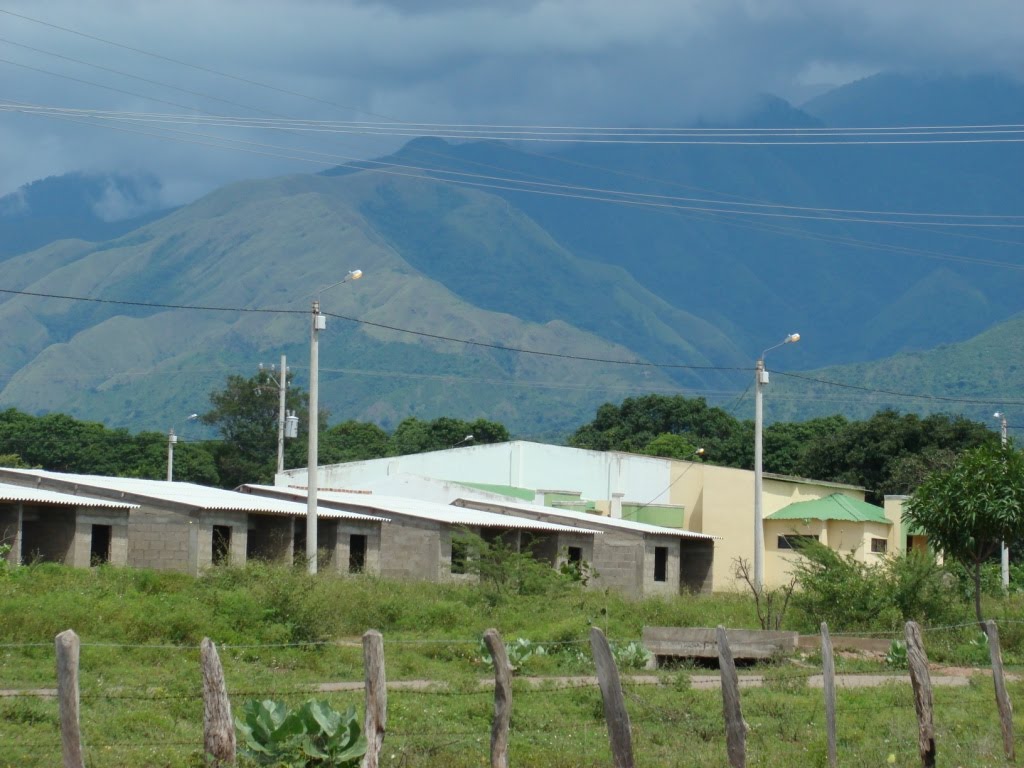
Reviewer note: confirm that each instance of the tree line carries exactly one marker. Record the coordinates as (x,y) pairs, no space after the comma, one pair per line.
(887,453)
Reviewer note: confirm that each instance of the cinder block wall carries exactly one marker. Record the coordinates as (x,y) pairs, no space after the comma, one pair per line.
(10,531)
(696,561)
(270,537)
(411,548)
(48,532)
(118,522)
(159,539)
(372,532)
(670,586)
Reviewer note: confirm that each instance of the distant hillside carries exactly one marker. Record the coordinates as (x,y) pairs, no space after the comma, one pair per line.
(271,244)
(987,370)
(85,206)
(676,282)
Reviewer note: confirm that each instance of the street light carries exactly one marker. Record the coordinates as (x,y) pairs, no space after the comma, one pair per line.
(466,439)
(172,440)
(1004,551)
(319,324)
(760,380)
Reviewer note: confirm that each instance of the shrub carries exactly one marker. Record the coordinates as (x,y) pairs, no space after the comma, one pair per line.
(854,596)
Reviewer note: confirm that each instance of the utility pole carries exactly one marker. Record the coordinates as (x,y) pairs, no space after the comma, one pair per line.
(760,381)
(281,379)
(171,440)
(1004,551)
(319,323)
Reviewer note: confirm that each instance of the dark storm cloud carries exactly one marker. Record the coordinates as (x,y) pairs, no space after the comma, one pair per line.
(520,61)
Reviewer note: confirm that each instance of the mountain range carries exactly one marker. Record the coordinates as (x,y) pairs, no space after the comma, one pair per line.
(700,276)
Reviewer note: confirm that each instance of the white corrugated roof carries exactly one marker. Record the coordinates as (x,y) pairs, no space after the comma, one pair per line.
(190,494)
(588,517)
(426,510)
(20,493)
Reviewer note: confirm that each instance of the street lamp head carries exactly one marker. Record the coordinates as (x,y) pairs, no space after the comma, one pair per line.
(792,338)
(355,274)
(699,452)
(997,415)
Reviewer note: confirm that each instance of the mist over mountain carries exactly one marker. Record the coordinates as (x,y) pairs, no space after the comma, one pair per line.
(731,248)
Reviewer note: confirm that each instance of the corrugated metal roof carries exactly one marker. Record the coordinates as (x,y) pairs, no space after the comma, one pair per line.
(426,510)
(838,506)
(19,493)
(587,517)
(191,495)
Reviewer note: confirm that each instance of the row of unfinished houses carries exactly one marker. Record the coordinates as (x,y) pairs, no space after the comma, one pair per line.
(645,525)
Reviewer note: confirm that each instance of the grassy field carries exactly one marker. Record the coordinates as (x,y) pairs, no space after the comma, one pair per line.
(281,632)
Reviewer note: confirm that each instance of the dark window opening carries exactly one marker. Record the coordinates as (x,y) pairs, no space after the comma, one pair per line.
(910,543)
(879,546)
(575,555)
(99,548)
(356,553)
(221,552)
(460,554)
(660,563)
(794,541)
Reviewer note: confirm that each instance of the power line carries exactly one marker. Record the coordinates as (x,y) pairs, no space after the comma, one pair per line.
(424,334)
(513,185)
(874,390)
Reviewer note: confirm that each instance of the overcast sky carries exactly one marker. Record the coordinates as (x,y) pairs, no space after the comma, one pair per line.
(583,62)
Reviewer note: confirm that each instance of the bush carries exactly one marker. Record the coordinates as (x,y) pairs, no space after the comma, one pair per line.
(854,596)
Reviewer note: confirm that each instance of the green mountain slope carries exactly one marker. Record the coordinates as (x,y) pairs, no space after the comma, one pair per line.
(975,377)
(270,245)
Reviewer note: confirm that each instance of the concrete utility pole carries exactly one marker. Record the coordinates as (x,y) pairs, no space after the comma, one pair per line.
(1004,551)
(760,381)
(312,461)
(171,440)
(281,379)
(313,458)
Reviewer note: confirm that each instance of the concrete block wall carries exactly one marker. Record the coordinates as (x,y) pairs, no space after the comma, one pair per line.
(670,586)
(118,522)
(202,525)
(411,548)
(447,535)
(270,537)
(48,532)
(696,566)
(161,540)
(619,562)
(372,532)
(10,531)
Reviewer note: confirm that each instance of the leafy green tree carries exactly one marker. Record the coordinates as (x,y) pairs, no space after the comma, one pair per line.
(245,413)
(672,447)
(353,441)
(786,443)
(968,509)
(416,436)
(638,421)
(865,452)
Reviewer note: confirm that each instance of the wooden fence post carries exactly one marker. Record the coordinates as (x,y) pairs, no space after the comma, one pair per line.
(68,646)
(615,713)
(1002,697)
(218,727)
(828,670)
(376,721)
(502,698)
(922,682)
(735,728)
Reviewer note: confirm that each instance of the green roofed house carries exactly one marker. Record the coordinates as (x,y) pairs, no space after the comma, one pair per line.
(838,521)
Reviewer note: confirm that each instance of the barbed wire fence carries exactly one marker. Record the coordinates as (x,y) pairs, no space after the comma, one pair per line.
(594,715)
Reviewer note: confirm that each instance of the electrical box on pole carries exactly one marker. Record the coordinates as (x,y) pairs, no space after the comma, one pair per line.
(291,425)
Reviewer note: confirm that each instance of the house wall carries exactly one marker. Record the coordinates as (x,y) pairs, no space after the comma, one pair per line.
(593,474)
(696,566)
(47,533)
(720,501)
(10,531)
(161,539)
(411,548)
(270,538)
(201,557)
(372,532)
(82,545)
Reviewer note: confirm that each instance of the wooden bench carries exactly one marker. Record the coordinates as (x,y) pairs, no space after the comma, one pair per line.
(700,643)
